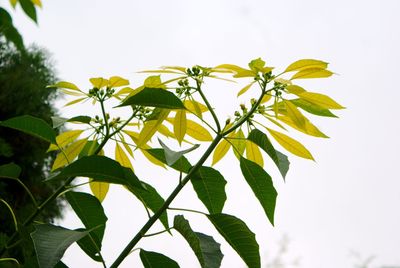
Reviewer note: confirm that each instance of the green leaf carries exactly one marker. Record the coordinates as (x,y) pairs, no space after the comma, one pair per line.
(261,184)
(9,31)
(52,241)
(182,164)
(209,185)
(172,156)
(263,142)
(154,97)
(59,121)
(89,148)
(10,170)
(312,108)
(88,208)
(206,249)
(90,247)
(239,236)
(29,9)
(151,199)
(100,168)
(32,125)
(152,259)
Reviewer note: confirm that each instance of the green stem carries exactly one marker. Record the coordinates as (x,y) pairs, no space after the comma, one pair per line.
(63,187)
(166,204)
(160,232)
(188,210)
(11,212)
(208,106)
(250,113)
(26,189)
(103,110)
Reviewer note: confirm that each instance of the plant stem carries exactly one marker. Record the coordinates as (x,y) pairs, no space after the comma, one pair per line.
(208,106)
(68,181)
(250,113)
(160,232)
(166,204)
(187,178)
(188,210)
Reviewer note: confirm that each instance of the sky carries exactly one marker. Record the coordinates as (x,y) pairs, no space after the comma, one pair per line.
(336,211)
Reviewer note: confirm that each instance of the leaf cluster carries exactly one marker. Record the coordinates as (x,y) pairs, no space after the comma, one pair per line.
(176,109)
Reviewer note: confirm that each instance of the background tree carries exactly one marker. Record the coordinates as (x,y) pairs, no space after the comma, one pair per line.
(23,80)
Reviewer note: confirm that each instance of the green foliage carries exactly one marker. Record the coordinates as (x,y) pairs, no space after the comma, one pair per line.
(23,93)
(153,260)
(205,248)
(239,236)
(7,29)
(261,184)
(51,242)
(209,186)
(178,109)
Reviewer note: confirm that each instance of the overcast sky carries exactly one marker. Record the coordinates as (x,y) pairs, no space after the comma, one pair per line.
(346,202)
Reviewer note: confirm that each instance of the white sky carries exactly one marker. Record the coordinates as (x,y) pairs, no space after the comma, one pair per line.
(344,202)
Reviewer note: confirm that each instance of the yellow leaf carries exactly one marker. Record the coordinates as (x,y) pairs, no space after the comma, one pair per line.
(197,131)
(166,132)
(151,127)
(294,89)
(69,154)
(173,79)
(220,151)
(266,98)
(99,82)
(239,143)
(13,3)
(290,144)
(283,81)
(117,81)
(308,128)
(125,90)
(154,82)
(311,73)
(195,107)
(306,64)
(99,189)
(72,93)
(127,148)
(221,78)
(180,125)
(238,71)
(274,121)
(178,68)
(75,101)
(294,114)
(151,158)
(122,158)
(243,90)
(320,100)
(64,139)
(67,85)
(160,72)
(37,3)
(132,134)
(253,153)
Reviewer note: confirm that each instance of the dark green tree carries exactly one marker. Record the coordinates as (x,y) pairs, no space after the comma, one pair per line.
(23,80)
